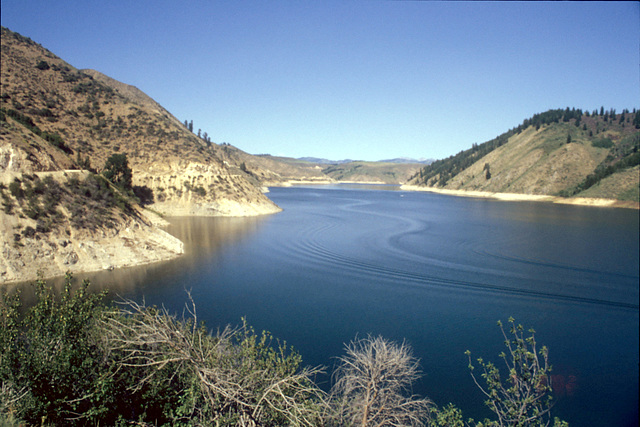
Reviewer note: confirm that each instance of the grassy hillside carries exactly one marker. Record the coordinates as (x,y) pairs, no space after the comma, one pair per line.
(378,172)
(560,152)
(273,170)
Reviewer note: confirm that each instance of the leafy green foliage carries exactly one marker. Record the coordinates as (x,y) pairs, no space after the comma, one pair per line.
(51,356)
(117,170)
(602,143)
(72,360)
(523,398)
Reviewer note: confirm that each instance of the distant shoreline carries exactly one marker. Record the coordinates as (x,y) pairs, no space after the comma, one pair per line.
(515,197)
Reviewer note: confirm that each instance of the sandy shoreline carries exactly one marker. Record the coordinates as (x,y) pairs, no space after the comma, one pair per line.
(515,197)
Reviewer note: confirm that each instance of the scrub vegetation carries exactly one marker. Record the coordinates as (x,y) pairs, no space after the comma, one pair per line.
(72,359)
(86,201)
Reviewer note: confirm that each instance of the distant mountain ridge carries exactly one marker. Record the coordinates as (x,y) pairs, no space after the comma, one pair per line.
(408,160)
(324,161)
(339,162)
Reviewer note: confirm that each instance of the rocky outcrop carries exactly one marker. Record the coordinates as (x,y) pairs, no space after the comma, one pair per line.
(196,189)
(25,256)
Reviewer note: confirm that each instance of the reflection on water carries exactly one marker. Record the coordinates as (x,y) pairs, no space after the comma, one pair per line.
(203,237)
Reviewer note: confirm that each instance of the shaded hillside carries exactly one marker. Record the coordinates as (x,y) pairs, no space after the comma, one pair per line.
(89,116)
(559,152)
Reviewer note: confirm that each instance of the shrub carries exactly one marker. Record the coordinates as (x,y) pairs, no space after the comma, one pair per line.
(117,170)
(15,188)
(51,357)
(42,65)
(372,385)
(7,203)
(144,194)
(71,361)
(602,143)
(524,398)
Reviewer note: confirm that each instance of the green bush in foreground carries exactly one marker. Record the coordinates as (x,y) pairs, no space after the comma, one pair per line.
(72,360)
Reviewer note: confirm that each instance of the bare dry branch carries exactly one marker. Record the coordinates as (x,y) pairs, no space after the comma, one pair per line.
(372,385)
(231,376)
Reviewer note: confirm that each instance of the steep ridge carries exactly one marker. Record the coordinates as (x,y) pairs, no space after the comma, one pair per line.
(58,127)
(95,116)
(560,153)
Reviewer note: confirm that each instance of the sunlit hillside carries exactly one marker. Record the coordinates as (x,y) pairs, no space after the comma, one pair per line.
(561,152)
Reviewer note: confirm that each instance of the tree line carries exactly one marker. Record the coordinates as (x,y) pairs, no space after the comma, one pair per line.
(440,172)
(204,136)
(72,359)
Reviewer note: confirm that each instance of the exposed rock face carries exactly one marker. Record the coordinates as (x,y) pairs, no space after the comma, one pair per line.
(57,118)
(134,242)
(46,241)
(202,190)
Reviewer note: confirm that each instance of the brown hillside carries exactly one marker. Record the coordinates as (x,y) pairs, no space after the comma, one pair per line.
(97,116)
(56,120)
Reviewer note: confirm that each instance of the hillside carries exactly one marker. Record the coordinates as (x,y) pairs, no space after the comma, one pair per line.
(58,127)
(95,116)
(273,171)
(267,170)
(372,172)
(564,153)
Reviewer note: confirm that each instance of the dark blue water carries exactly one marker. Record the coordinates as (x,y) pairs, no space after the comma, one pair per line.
(436,271)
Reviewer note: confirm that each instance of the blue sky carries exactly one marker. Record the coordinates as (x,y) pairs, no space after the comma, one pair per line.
(352,79)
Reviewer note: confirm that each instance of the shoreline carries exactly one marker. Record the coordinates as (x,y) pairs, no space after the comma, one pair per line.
(293,182)
(516,197)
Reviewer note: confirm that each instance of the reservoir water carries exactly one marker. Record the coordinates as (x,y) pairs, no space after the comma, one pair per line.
(434,270)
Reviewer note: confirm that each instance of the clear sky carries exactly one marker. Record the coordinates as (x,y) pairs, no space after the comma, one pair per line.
(351,79)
